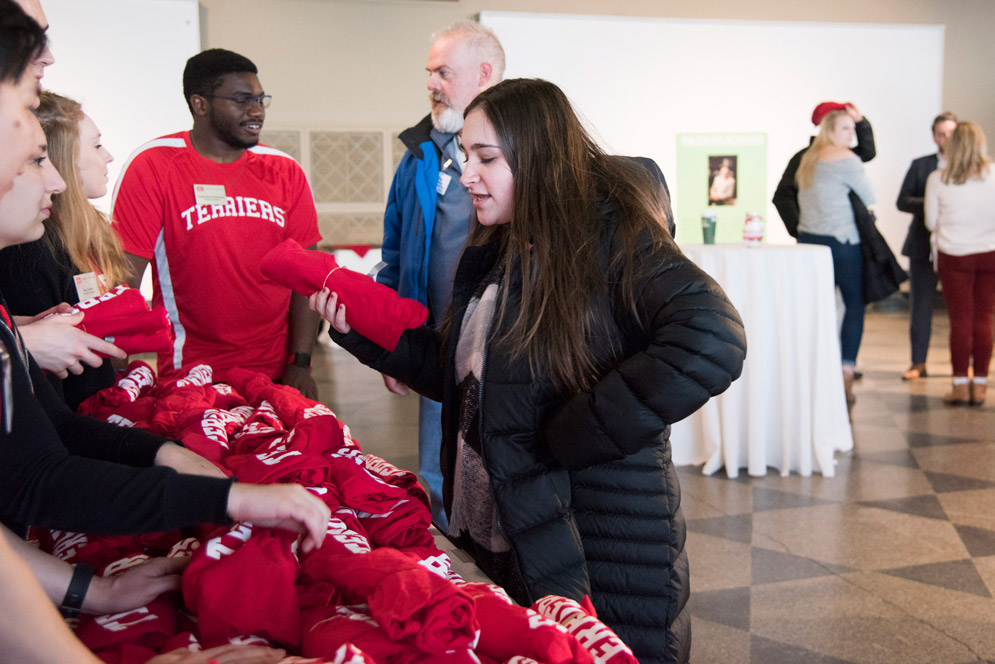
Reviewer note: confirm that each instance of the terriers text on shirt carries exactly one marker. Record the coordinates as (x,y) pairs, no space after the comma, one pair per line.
(237,206)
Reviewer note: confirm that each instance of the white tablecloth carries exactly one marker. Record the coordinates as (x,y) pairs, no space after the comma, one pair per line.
(788,409)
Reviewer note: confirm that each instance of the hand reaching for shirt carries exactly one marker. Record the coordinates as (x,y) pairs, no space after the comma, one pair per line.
(58,346)
(135,587)
(288,506)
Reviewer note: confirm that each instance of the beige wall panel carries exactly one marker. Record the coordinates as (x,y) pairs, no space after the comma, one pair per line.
(360,63)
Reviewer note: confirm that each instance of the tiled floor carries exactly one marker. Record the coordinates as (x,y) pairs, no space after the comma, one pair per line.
(893,560)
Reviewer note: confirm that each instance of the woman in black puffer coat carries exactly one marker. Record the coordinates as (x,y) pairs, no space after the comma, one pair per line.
(578,333)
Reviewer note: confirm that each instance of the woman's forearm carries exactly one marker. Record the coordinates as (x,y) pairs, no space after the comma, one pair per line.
(32,632)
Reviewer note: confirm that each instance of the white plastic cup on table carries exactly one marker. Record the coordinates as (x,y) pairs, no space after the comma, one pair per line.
(753,228)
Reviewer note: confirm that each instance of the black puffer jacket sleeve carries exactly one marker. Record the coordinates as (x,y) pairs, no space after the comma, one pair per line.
(92,486)
(695,350)
(415,362)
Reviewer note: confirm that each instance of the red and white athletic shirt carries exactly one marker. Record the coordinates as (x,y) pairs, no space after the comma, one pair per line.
(205,258)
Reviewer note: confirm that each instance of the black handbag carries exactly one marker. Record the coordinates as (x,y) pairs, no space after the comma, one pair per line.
(882,273)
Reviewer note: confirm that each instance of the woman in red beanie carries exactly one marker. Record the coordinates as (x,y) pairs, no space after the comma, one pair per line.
(828,172)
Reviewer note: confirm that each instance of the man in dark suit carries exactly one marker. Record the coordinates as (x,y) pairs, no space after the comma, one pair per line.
(917,247)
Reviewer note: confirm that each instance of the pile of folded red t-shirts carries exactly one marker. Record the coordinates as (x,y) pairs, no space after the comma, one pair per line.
(374,310)
(122,317)
(378,591)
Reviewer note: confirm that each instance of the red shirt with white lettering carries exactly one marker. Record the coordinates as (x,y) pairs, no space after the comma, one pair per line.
(205,258)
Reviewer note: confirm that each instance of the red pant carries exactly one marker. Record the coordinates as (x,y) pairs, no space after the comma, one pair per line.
(969,290)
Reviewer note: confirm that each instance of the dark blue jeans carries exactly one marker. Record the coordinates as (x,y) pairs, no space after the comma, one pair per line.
(848,272)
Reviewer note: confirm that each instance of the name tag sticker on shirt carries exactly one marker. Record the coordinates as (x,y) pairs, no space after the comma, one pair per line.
(87,286)
(210,194)
(443,184)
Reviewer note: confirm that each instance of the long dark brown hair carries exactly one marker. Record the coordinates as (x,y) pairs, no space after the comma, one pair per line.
(556,239)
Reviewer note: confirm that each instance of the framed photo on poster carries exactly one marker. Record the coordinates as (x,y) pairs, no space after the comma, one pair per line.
(722,175)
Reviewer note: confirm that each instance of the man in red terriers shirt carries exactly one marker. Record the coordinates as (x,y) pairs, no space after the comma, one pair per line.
(204,206)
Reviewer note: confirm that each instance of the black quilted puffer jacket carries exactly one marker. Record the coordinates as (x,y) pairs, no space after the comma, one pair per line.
(584,484)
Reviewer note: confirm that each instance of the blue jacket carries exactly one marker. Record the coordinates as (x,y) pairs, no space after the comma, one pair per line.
(410,215)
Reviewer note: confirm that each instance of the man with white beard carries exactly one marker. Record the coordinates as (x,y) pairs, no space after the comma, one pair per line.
(428,210)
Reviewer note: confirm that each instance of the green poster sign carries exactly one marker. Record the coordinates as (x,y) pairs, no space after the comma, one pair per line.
(720,174)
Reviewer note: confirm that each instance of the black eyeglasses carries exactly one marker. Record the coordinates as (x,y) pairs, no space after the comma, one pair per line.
(245,101)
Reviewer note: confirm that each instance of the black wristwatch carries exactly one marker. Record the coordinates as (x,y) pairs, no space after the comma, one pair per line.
(302,360)
(72,604)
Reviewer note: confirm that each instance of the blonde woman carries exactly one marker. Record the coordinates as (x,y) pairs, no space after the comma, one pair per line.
(78,257)
(960,212)
(828,172)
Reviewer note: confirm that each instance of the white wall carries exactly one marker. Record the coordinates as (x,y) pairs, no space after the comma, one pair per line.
(123,60)
(641,81)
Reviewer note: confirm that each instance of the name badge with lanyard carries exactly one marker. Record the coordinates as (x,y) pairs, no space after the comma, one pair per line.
(87,286)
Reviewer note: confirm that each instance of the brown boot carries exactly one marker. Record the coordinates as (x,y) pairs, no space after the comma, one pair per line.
(978,391)
(848,379)
(959,396)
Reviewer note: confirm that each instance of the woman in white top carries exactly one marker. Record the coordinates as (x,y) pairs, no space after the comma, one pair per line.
(828,172)
(960,211)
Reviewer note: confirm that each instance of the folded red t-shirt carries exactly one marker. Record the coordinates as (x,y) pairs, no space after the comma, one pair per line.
(341,541)
(359,488)
(507,629)
(243,583)
(119,301)
(122,317)
(404,526)
(146,332)
(325,630)
(148,626)
(409,602)
(374,310)
(581,620)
